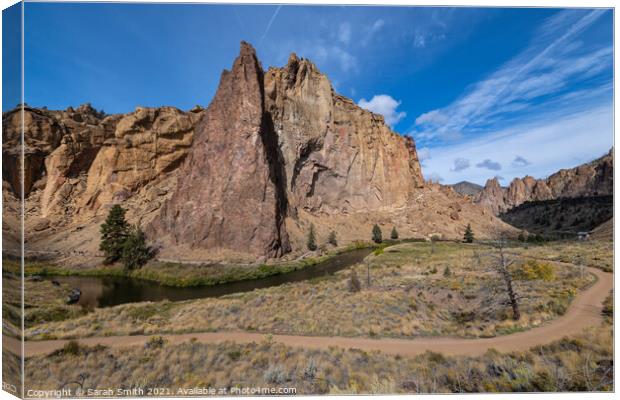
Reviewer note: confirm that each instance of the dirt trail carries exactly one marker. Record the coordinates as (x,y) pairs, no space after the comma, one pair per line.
(584,311)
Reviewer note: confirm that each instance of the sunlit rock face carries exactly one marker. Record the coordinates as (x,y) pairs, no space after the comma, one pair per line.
(230,193)
(242,180)
(591,179)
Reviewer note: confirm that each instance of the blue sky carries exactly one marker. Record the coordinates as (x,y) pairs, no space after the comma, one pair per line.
(484,92)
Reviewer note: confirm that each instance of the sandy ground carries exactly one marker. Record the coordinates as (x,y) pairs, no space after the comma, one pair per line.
(583,312)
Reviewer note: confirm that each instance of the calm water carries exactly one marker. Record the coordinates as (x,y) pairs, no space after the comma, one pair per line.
(111,291)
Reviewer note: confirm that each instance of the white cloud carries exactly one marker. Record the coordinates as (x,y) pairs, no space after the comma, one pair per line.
(460,164)
(372,31)
(547,145)
(434,117)
(378,24)
(553,61)
(385,105)
(519,162)
(489,164)
(419,39)
(322,55)
(344,33)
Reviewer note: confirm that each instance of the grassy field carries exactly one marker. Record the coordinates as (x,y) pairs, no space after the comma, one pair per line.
(416,289)
(579,363)
(593,253)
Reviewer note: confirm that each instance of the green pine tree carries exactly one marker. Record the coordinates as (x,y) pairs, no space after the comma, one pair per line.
(311,242)
(135,252)
(114,231)
(377,236)
(394,234)
(332,239)
(468,237)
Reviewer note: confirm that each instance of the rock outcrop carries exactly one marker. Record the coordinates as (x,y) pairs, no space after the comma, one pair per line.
(587,180)
(466,188)
(275,153)
(338,157)
(231,182)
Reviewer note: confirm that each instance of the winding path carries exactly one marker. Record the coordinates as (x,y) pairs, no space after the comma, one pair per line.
(584,311)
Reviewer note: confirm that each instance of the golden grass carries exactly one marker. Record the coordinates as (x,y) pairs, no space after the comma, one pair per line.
(410,295)
(580,363)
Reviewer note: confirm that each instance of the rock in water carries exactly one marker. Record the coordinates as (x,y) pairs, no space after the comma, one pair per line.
(74,296)
(229,193)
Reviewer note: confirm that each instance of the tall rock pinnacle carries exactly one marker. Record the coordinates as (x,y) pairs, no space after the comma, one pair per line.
(228,195)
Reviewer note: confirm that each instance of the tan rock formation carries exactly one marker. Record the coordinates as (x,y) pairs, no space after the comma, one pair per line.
(242,180)
(338,157)
(230,195)
(591,179)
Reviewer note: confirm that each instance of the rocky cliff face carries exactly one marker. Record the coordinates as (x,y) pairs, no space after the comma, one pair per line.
(274,153)
(231,182)
(591,179)
(338,158)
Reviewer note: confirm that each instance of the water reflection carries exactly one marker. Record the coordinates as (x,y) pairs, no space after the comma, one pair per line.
(111,291)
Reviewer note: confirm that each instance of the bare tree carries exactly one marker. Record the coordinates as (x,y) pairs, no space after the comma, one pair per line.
(502,265)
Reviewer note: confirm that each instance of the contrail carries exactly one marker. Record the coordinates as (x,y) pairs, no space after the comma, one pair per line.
(273,17)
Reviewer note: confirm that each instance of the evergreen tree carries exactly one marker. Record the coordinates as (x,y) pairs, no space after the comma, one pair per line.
(135,252)
(468,237)
(394,234)
(377,236)
(311,242)
(331,239)
(114,231)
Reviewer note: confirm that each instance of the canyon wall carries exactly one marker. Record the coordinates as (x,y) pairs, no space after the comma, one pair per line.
(275,153)
(588,180)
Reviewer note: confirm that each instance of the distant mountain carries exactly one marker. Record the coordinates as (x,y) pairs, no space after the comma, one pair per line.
(467,188)
(563,217)
(587,180)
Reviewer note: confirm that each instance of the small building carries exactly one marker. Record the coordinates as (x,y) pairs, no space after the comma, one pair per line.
(583,235)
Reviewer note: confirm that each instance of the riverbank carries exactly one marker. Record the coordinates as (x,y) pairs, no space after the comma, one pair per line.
(183,275)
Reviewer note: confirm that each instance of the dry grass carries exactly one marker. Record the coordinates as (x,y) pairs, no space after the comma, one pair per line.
(409,296)
(43,302)
(580,363)
(592,253)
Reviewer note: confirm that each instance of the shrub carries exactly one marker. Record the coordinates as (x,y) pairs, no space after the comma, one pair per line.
(446,272)
(434,270)
(394,234)
(155,342)
(135,251)
(377,236)
(534,270)
(354,283)
(72,347)
(114,231)
(608,306)
(275,374)
(234,355)
(310,370)
(311,241)
(332,239)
